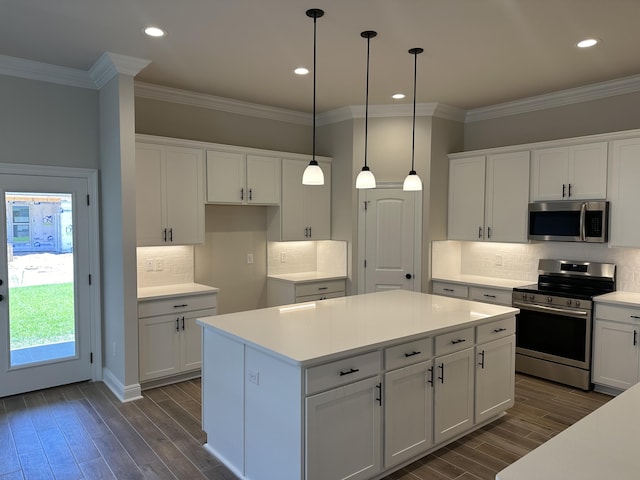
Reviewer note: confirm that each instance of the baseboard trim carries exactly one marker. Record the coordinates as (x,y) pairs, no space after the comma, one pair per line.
(124,393)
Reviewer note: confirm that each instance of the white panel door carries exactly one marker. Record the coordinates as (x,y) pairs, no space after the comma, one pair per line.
(391,229)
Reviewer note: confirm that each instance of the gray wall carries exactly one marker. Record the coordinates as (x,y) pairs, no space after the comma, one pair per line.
(47,124)
(611,114)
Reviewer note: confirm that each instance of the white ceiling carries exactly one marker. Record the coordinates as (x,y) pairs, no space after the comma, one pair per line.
(477,52)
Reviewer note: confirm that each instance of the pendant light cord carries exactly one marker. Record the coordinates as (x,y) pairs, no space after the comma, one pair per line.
(314,88)
(366,108)
(413,129)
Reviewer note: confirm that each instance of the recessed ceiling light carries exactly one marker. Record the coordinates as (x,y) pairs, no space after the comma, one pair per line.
(154,32)
(301,71)
(398,96)
(587,42)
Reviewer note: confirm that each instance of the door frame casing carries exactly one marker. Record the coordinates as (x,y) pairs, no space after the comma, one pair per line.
(95,302)
(417,241)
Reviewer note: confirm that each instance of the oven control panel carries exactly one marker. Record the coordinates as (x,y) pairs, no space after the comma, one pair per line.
(551,300)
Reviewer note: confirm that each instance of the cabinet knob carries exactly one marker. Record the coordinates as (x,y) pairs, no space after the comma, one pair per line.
(408,276)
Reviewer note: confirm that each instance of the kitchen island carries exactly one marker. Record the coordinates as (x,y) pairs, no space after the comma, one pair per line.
(352,387)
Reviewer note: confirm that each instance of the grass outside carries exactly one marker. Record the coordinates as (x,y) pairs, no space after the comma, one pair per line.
(41,315)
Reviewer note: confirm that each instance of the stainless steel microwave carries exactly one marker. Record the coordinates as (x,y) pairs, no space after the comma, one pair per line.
(569,221)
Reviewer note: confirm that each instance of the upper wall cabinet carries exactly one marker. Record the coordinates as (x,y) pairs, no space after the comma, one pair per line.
(488,197)
(577,172)
(305,211)
(624,193)
(243,179)
(169,195)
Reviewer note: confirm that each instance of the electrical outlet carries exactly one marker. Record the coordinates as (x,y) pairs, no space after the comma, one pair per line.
(148,264)
(249,257)
(254,376)
(283,257)
(498,260)
(159,264)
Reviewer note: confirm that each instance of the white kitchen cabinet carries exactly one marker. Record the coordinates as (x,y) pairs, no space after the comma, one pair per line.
(242,178)
(616,354)
(343,432)
(577,172)
(495,376)
(169,195)
(450,289)
(282,292)
(499,296)
(624,193)
(169,338)
(305,210)
(488,197)
(408,411)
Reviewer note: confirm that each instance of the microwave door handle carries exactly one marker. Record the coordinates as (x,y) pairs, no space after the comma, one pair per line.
(583,222)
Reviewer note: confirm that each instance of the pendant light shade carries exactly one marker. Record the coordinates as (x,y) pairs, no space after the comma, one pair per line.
(365,178)
(412,182)
(313,173)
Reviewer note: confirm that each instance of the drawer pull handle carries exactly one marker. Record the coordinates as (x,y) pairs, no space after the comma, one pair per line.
(481,361)
(412,354)
(489,296)
(498,330)
(634,316)
(379,399)
(323,288)
(441,367)
(182,323)
(181,305)
(430,381)
(177,324)
(635,338)
(460,340)
(448,289)
(349,372)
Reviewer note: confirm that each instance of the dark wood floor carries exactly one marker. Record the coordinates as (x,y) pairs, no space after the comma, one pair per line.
(82,431)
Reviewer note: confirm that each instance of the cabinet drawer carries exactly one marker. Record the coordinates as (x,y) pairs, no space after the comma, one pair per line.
(491,295)
(618,314)
(319,296)
(178,304)
(341,372)
(495,330)
(450,290)
(408,353)
(454,341)
(313,288)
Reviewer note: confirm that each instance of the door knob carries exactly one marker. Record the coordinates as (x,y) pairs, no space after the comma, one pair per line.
(408,276)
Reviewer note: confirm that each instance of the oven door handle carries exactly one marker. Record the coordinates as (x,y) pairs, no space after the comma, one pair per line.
(545,309)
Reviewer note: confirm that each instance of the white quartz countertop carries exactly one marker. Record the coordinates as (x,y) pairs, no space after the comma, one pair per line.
(152,293)
(603,445)
(481,281)
(631,299)
(311,332)
(305,277)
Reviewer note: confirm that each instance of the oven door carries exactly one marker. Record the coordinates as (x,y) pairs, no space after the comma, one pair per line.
(560,335)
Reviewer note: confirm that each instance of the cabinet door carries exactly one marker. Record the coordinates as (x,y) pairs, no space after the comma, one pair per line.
(159,346)
(263,180)
(190,342)
(588,171)
(466,198)
(507,197)
(549,174)
(293,213)
(318,206)
(453,401)
(624,193)
(225,177)
(184,195)
(408,412)
(615,354)
(495,377)
(149,195)
(343,432)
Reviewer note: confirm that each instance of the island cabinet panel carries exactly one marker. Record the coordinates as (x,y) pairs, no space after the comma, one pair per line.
(453,396)
(495,377)
(343,432)
(408,412)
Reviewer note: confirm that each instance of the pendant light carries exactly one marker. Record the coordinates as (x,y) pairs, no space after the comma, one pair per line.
(412,182)
(313,173)
(365,178)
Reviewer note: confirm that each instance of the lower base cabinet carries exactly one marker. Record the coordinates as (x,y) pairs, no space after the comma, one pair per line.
(495,377)
(343,426)
(616,354)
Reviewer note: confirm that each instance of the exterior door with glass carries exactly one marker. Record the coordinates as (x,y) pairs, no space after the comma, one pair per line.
(45,298)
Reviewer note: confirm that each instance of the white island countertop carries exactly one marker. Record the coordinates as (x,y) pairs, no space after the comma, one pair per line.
(603,445)
(308,333)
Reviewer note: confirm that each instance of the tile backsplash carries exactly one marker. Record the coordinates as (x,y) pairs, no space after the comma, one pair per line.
(327,256)
(520,261)
(159,266)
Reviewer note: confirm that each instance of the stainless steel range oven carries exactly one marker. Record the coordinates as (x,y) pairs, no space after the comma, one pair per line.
(555,323)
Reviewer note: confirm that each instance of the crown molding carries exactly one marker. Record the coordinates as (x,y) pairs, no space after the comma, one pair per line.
(111,64)
(45,72)
(403,110)
(185,97)
(561,98)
